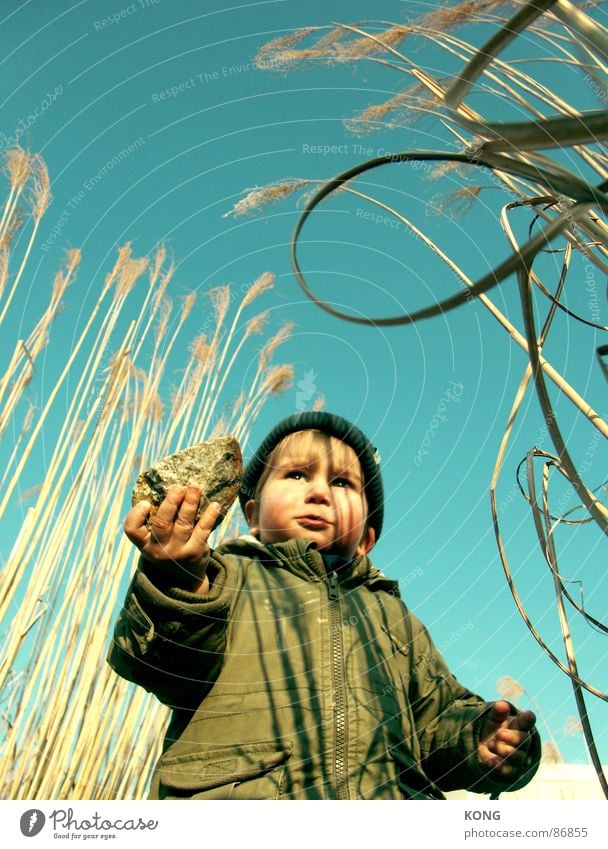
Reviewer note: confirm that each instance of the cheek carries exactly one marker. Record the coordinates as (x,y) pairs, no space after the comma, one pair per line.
(273,506)
(351,509)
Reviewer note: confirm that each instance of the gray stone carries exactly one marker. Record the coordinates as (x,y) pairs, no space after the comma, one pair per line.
(215,466)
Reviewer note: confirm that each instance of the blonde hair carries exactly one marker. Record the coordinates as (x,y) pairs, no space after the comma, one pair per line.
(310,446)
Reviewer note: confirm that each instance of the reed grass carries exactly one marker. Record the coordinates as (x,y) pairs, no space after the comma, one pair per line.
(71,729)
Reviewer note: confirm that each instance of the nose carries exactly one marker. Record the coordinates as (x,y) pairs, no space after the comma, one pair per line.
(318,490)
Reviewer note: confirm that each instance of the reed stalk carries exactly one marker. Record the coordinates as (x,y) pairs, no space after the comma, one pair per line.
(71,728)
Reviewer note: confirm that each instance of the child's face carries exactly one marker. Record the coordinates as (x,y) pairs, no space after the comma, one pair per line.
(314,491)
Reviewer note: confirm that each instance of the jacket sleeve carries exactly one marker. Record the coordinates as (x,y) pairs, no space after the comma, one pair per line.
(171,641)
(448,720)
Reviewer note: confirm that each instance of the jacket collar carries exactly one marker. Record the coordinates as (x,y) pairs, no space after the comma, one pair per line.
(301,558)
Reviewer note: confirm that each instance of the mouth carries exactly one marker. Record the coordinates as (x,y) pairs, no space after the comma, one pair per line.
(313,523)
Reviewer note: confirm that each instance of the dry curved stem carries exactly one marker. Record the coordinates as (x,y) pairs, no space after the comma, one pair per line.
(557,521)
(555,179)
(537,282)
(588,127)
(503,557)
(595,507)
(593,35)
(555,462)
(522,610)
(542,523)
(535,452)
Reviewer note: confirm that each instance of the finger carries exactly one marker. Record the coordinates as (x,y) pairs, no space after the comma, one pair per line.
(504,750)
(496,716)
(489,758)
(504,765)
(500,711)
(206,523)
(136,523)
(162,523)
(186,514)
(514,738)
(506,769)
(524,721)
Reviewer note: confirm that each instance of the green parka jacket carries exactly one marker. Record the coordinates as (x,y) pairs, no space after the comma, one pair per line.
(287,682)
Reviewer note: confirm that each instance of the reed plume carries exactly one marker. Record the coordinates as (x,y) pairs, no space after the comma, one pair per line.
(71,729)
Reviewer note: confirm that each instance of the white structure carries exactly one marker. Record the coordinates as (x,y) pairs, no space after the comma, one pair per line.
(552,781)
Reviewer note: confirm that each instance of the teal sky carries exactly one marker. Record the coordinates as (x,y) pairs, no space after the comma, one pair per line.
(171,89)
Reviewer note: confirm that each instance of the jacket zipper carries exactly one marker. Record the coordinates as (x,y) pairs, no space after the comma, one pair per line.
(339,694)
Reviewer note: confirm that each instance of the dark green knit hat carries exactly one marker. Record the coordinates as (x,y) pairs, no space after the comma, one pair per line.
(333,425)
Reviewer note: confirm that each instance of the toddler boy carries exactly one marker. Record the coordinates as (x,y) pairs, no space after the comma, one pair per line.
(293,668)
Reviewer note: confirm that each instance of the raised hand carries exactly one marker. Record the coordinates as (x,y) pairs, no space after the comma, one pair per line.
(172,540)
